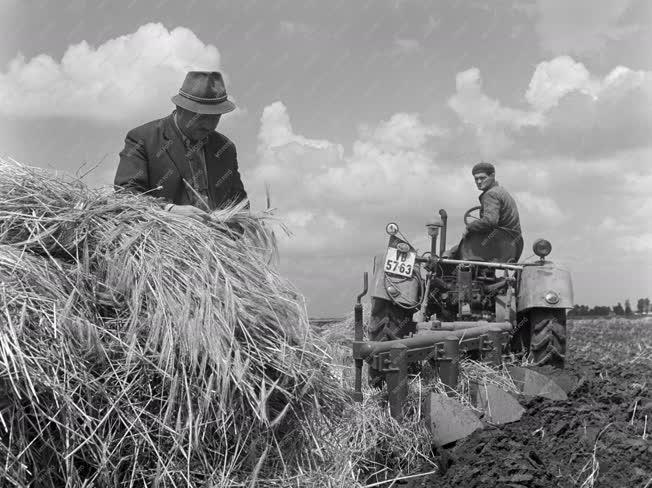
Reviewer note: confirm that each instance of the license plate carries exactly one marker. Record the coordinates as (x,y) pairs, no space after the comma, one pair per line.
(399,263)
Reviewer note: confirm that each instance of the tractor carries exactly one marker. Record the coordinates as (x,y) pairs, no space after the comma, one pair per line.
(438,306)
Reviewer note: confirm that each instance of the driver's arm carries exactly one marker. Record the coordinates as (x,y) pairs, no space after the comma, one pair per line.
(490,214)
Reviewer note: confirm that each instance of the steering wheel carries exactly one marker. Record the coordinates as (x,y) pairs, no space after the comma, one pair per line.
(467,214)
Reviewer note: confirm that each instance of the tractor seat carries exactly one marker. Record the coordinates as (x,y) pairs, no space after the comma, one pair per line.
(497,246)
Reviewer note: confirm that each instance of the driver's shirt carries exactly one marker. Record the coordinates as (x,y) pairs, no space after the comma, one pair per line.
(498,211)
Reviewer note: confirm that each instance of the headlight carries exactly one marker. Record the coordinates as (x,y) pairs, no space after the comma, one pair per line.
(433,226)
(541,248)
(393,292)
(391,228)
(551,297)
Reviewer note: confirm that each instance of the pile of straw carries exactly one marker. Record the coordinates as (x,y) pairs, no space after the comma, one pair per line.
(138,348)
(143,349)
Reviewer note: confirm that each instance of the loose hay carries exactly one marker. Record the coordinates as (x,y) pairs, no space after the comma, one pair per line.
(138,348)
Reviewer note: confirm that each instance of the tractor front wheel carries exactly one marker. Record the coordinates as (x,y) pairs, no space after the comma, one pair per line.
(387,322)
(548,336)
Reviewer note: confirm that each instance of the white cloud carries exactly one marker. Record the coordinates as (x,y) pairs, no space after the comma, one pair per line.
(339,222)
(610,114)
(290,162)
(610,224)
(389,155)
(291,28)
(331,194)
(432,25)
(554,79)
(582,26)
(338,201)
(406,46)
(623,206)
(390,161)
(636,243)
(490,120)
(540,206)
(565,102)
(622,80)
(401,131)
(638,182)
(276,130)
(129,77)
(476,108)
(298,218)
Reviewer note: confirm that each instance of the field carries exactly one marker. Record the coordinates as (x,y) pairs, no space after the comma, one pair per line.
(600,437)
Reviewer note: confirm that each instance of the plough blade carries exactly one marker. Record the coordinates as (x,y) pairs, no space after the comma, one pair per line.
(448,419)
(531,383)
(567,381)
(498,405)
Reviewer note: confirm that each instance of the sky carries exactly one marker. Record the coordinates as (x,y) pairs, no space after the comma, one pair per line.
(359,113)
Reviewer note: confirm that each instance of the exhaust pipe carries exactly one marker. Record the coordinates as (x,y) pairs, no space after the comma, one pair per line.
(442,241)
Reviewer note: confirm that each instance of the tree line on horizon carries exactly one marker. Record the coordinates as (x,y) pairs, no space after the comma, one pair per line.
(642,308)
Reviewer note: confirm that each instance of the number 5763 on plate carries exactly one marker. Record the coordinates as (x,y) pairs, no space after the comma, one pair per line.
(399,263)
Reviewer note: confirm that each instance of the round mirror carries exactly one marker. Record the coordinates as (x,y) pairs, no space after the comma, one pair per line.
(391,228)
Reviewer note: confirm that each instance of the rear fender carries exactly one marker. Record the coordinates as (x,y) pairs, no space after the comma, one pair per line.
(408,292)
(537,281)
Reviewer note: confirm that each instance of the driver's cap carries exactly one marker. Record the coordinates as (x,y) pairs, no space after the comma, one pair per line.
(483,167)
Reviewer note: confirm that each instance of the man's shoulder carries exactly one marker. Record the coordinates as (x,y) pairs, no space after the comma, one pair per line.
(150,127)
(502,195)
(222,139)
(499,191)
(222,143)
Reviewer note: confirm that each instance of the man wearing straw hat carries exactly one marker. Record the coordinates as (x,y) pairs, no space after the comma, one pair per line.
(181,158)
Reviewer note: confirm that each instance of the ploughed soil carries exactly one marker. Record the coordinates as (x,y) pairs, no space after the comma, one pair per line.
(600,437)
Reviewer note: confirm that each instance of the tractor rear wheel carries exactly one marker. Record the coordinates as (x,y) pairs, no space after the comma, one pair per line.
(548,336)
(521,335)
(387,322)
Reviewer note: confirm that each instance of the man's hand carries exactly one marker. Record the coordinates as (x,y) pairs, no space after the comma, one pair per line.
(449,253)
(188,211)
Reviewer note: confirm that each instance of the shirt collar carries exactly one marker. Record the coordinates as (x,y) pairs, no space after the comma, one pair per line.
(493,184)
(189,143)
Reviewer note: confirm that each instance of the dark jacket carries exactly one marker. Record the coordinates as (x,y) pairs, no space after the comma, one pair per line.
(498,211)
(154,161)
(496,236)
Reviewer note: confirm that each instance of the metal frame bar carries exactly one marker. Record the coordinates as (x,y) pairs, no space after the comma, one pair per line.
(444,347)
(484,343)
(365,349)
(484,264)
(359,336)
(397,380)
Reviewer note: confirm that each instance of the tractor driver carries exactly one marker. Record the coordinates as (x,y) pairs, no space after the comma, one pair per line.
(496,235)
